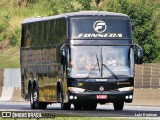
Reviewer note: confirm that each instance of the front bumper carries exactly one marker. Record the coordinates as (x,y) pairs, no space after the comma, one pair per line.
(92,97)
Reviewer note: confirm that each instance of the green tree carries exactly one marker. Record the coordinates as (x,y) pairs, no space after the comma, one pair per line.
(86,4)
(61,6)
(143,25)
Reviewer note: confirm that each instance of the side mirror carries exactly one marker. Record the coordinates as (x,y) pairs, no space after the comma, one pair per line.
(139,54)
(63,53)
(63,56)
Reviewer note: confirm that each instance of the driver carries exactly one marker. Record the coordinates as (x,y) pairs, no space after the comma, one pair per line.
(81,64)
(111,61)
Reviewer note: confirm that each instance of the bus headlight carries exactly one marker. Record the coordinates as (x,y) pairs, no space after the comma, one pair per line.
(76,89)
(125,89)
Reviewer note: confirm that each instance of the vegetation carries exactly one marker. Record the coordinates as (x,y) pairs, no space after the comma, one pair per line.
(144,15)
(78,118)
(144,25)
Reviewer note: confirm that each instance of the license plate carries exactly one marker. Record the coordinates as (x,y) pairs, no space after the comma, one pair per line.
(101,96)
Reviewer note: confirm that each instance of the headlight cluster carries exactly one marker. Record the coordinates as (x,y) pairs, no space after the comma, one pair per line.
(76,89)
(125,89)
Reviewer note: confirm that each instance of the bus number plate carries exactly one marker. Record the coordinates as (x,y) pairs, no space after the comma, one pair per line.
(101,96)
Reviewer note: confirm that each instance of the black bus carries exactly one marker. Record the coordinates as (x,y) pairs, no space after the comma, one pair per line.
(80,58)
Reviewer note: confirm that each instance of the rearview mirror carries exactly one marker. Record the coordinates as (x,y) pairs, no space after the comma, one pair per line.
(139,54)
(63,56)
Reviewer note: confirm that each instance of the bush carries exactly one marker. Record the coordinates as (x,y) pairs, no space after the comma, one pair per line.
(2,27)
(13,39)
(3,37)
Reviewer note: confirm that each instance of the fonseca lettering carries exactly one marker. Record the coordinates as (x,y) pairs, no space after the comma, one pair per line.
(100,35)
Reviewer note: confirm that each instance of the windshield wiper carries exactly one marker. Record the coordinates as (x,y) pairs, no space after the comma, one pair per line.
(98,63)
(90,73)
(93,68)
(110,71)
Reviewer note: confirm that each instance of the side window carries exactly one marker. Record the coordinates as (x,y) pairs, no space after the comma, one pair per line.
(41,33)
(23,36)
(28,37)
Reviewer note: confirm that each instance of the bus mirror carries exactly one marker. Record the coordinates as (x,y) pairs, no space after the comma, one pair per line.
(63,56)
(139,54)
(63,53)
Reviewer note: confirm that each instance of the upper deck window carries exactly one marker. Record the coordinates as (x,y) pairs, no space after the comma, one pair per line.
(100,28)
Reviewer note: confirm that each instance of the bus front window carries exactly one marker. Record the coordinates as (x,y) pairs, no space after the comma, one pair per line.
(118,60)
(100,61)
(83,59)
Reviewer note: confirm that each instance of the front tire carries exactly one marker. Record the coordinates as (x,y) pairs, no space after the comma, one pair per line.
(118,105)
(64,106)
(90,106)
(77,106)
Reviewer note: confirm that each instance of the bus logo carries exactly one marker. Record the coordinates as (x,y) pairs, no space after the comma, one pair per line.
(101,88)
(100,26)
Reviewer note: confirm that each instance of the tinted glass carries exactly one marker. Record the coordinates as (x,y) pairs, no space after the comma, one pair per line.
(100,28)
(118,60)
(85,60)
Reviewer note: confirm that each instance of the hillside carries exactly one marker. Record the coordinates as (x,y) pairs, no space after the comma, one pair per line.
(13,12)
(11,15)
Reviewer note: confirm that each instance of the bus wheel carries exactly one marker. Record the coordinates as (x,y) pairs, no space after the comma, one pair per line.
(42,105)
(34,100)
(90,106)
(64,106)
(118,105)
(77,106)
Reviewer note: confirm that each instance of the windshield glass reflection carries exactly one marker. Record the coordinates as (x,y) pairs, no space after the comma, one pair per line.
(91,60)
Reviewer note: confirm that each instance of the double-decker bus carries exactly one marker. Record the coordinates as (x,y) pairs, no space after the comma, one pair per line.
(80,58)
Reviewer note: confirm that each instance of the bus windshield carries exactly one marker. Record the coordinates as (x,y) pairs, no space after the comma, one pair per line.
(92,61)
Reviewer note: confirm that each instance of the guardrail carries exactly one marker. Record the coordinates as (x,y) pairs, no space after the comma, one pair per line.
(147,76)
(10,85)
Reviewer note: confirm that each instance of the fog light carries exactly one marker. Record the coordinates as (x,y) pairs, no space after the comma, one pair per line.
(71,97)
(130,97)
(75,97)
(126,97)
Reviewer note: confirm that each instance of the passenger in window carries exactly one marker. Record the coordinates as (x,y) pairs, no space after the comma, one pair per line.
(73,65)
(88,66)
(92,62)
(111,61)
(81,63)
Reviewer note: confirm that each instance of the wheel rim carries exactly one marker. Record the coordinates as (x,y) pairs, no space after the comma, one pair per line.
(31,98)
(61,99)
(35,95)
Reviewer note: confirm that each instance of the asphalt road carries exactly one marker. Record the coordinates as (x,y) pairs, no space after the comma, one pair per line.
(101,111)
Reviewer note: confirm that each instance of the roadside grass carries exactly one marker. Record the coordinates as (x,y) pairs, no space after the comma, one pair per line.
(10,58)
(74,118)
(11,18)
(63,116)
(12,15)
(91,118)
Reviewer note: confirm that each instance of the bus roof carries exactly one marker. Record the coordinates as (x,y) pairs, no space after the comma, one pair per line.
(75,14)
